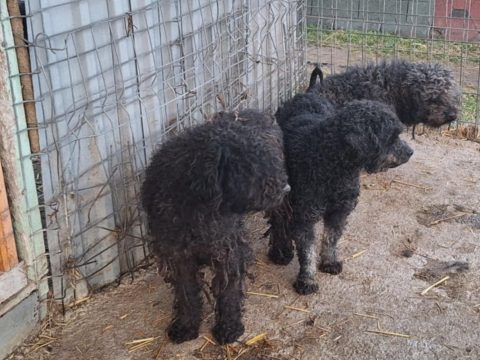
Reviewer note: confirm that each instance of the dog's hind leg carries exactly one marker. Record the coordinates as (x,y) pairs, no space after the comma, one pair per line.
(228,290)
(304,237)
(334,223)
(188,300)
(281,245)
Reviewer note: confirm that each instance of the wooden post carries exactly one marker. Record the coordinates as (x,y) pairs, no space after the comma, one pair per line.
(24,69)
(8,250)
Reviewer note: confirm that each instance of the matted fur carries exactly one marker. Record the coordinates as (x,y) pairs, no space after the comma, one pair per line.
(419,92)
(325,151)
(197,189)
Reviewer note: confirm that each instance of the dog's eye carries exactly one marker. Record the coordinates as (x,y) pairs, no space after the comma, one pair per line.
(392,140)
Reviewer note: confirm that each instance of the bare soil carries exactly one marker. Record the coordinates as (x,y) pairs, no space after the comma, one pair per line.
(413,226)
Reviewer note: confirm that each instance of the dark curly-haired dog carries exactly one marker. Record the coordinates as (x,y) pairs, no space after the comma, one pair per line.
(198,187)
(419,92)
(325,151)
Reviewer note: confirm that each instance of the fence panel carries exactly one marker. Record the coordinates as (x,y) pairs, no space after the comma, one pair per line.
(114,79)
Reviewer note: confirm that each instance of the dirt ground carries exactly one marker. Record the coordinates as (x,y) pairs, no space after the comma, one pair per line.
(413,226)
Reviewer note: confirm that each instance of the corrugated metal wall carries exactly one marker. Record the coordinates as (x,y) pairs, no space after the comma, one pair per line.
(405,17)
(112,79)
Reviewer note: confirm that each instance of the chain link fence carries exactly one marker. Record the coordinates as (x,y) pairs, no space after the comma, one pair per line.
(345,32)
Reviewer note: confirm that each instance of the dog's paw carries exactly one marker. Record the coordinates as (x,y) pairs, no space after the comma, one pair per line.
(227,333)
(305,286)
(280,256)
(333,268)
(179,331)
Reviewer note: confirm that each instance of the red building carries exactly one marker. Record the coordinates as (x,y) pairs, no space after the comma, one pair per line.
(458,20)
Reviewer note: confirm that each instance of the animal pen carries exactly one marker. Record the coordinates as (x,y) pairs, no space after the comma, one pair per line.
(89,88)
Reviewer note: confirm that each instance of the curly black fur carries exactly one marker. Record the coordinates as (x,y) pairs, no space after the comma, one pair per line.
(197,189)
(325,153)
(419,92)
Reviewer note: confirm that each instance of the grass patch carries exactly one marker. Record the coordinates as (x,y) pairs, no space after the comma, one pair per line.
(469,107)
(389,45)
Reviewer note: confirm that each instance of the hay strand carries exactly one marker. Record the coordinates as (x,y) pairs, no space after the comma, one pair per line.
(78,302)
(366,316)
(360,253)
(446,219)
(206,338)
(388,333)
(424,188)
(227,351)
(263,294)
(205,344)
(243,351)
(434,285)
(38,347)
(256,339)
(139,341)
(297,309)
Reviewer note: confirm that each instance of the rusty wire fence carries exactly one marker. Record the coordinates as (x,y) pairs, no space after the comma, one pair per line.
(345,32)
(112,79)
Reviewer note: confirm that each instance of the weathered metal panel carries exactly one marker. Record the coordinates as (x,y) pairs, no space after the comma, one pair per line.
(114,79)
(275,54)
(18,323)
(76,81)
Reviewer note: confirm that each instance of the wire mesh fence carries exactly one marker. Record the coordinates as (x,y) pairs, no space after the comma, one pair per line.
(111,81)
(345,32)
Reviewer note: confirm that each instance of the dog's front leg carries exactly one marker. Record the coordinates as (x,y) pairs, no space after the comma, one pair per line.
(304,237)
(334,223)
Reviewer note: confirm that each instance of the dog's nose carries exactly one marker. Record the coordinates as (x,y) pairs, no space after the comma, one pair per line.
(409,152)
(451,115)
(287,188)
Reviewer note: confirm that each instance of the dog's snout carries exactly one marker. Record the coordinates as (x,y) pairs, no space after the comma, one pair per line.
(287,188)
(451,115)
(409,151)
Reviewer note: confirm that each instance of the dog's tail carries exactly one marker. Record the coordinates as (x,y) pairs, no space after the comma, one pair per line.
(317,72)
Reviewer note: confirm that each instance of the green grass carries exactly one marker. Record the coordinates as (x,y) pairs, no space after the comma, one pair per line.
(469,107)
(388,45)
(376,44)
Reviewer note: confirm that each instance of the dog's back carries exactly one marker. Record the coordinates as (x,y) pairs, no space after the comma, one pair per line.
(420,92)
(307,103)
(233,164)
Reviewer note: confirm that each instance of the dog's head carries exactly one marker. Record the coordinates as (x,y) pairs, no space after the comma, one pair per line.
(372,136)
(245,170)
(433,96)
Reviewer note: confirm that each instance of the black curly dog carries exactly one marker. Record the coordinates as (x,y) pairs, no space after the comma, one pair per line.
(197,189)
(419,92)
(325,151)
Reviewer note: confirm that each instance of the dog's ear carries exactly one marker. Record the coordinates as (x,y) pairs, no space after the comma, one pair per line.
(362,144)
(208,175)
